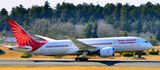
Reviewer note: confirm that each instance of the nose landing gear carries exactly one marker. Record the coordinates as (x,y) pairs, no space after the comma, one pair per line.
(139,54)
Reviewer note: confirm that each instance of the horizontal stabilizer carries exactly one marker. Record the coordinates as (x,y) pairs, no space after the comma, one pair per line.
(10,46)
(45,38)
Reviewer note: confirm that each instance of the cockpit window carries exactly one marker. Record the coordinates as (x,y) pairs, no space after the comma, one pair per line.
(146,41)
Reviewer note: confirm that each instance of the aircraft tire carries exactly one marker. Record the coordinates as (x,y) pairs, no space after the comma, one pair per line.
(81,59)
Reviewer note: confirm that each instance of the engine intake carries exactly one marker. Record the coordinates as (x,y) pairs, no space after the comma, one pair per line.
(107,51)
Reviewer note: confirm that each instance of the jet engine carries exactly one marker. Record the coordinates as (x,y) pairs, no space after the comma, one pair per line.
(106,51)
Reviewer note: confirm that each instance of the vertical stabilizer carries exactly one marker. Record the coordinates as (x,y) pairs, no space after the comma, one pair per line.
(22,37)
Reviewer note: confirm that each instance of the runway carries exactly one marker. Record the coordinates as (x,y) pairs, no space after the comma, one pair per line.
(70,62)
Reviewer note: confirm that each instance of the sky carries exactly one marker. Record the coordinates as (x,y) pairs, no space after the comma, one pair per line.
(8,4)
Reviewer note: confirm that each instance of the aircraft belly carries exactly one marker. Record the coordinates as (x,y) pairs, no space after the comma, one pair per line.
(63,51)
(56,51)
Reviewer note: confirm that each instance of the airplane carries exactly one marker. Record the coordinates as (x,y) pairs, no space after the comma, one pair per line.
(103,47)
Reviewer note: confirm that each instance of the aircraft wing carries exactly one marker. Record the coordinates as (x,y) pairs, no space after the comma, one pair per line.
(45,38)
(82,46)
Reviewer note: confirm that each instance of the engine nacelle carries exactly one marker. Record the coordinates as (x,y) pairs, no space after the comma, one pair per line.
(106,51)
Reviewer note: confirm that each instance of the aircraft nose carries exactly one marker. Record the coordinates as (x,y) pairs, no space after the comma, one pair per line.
(149,45)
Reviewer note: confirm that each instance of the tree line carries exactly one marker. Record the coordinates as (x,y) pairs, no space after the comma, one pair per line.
(123,19)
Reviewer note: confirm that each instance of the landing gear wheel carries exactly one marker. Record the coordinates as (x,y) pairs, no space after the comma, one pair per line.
(81,59)
(139,54)
(113,54)
(76,59)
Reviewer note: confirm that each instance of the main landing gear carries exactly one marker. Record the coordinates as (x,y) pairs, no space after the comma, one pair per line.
(81,59)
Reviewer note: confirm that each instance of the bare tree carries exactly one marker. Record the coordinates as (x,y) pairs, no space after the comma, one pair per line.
(105,30)
(78,30)
(40,26)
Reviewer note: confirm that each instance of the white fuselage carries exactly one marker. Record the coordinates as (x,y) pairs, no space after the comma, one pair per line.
(120,44)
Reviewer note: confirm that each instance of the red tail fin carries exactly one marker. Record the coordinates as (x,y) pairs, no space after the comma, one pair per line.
(22,37)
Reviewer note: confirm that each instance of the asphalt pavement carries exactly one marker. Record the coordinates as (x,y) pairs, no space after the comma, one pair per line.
(71,62)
